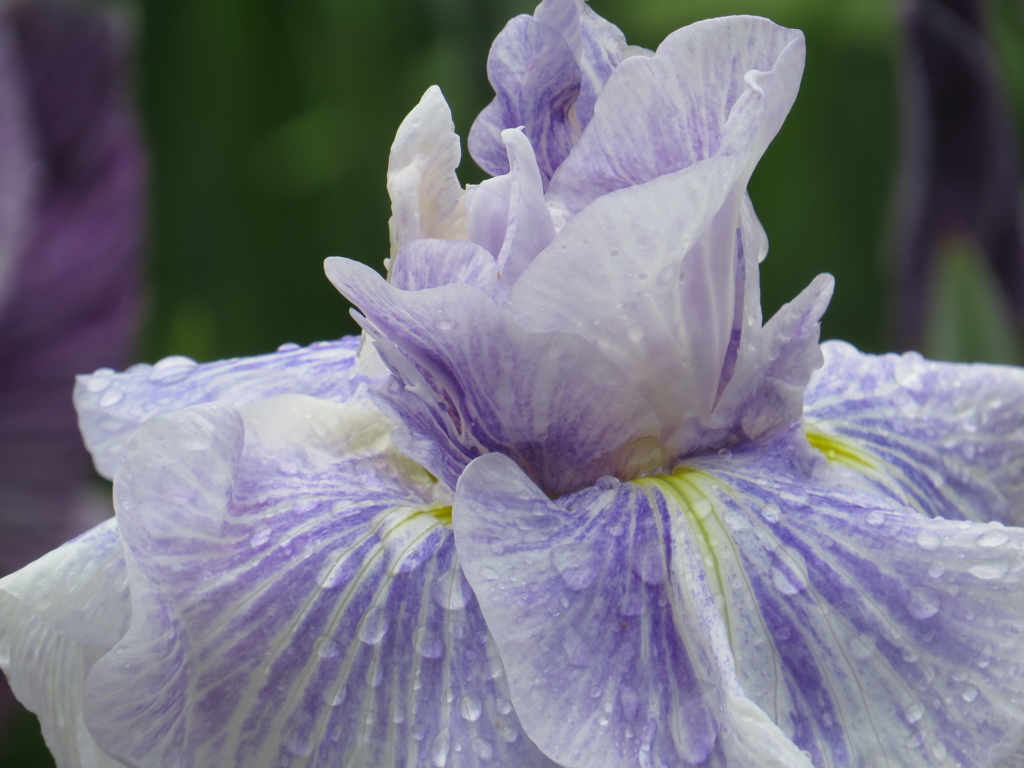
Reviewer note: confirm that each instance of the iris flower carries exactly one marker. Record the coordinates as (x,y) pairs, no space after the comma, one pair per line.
(568,502)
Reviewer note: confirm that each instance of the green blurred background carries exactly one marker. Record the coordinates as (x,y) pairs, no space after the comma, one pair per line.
(269,123)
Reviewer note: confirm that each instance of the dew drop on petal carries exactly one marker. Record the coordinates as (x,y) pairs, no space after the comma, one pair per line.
(508,734)
(373,627)
(483,749)
(578,567)
(112,396)
(771,512)
(923,603)
(789,575)
(470,708)
(913,713)
(439,749)
(449,592)
(260,536)
(988,571)
(608,483)
(428,644)
(969,694)
(288,346)
(326,648)
(928,540)
(862,646)
(993,538)
(936,569)
(172,370)
(701,508)
(646,557)
(876,517)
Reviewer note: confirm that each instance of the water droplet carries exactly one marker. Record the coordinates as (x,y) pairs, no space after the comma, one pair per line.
(862,646)
(928,540)
(578,567)
(603,720)
(907,371)
(418,731)
(771,512)
(98,381)
(288,346)
(969,694)
(576,648)
(483,749)
(260,536)
(470,708)
(701,508)
(790,572)
(445,325)
(923,603)
(647,562)
(373,627)
(995,537)
(508,734)
(112,396)
(939,751)
(300,744)
(326,648)
(449,592)
(503,706)
(608,483)
(876,517)
(333,698)
(428,644)
(936,569)
(914,712)
(172,370)
(990,570)
(439,749)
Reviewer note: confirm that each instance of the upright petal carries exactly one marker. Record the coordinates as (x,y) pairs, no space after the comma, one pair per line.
(426,197)
(468,378)
(945,438)
(717,87)
(296,598)
(58,617)
(111,406)
(752,599)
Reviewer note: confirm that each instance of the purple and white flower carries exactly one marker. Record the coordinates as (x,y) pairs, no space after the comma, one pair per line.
(569,502)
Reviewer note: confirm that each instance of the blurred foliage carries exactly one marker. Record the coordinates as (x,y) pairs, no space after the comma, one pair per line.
(269,123)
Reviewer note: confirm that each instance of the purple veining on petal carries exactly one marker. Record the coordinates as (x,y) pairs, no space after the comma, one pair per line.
(111,406)
(945,437)
(296,596)
(73,289)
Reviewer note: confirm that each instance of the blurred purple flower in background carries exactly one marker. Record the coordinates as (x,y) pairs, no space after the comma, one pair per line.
(959,186)
(72,205)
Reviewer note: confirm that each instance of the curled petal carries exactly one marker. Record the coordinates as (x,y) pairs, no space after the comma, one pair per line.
(945,438)
(717,87)
(469,379)
(426,197)
(111,406)
(863,630)
(296,597)
(58,617)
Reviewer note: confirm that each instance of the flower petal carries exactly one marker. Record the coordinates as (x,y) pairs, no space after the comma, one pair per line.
(58,616)
(508,215)
(111,406)
(721,86)
(431,263)
(648,275)
(547,71)
(471,380)
(426,197)
(615,653)
(296,597)
(864,630)
(945,438)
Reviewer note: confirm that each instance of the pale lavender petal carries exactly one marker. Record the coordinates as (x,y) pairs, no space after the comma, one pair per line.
(74,289)
(466,376)
(721,86)
(111,406)
(58,617)
(864,630)
(537,81)
(648,274)
(547,71)
(945,438)
(426,197)
(508,215)
(606,622)
(431,263)
(296,600)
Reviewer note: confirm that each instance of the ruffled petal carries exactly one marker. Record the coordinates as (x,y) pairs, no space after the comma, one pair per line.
(426,197)
(866,632)
(607,625)
(945,438)
(58,617)
(508,215)
(648,275)
(537,81)
(296,600)
(472,381)
(721,86)
(111,406)
(431,263)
